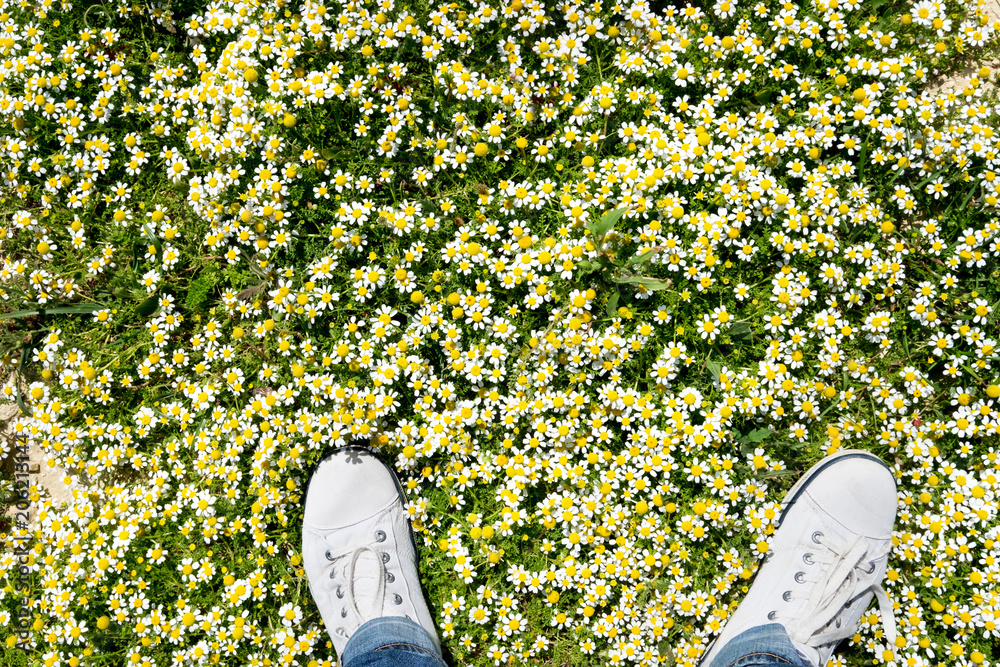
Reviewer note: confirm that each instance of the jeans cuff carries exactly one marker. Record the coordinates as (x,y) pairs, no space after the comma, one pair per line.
(388,631)
(761,645)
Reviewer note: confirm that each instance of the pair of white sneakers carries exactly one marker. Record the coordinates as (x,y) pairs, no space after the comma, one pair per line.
(826,559)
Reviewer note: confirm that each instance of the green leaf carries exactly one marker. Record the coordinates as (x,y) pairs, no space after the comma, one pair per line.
(965,203)
(25,354)
(755,436)
(152,239)
(198,290)
(714,368)
(765,96)
(772,474)
(148,307)
(600,228)
(643,258)
(741,331)
(82,309)
(652,284)
(613,303)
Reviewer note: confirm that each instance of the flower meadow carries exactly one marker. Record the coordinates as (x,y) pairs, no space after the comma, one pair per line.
(599,280)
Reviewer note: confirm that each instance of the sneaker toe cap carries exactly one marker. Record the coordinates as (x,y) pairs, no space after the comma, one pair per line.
(349,486)
(860,494)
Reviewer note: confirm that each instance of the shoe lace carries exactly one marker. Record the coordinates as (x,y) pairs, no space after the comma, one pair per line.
(343,566)
(818,621)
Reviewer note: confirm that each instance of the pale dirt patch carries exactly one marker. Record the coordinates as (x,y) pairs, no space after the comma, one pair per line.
(961,80)
(48,479)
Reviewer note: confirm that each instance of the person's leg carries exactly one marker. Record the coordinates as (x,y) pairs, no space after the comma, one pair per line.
(760,646)
(391,641)
(826,561)
(361,564)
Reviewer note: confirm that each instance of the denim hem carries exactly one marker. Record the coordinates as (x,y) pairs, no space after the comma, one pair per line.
(760,646)
(391,640)
(411,648)
(746,660)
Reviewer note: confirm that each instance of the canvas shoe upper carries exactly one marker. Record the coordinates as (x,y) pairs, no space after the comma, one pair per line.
(826,559)
(357,546)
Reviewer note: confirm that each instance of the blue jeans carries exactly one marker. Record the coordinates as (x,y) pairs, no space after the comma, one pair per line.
(762,646)
(391,641)
(399,642)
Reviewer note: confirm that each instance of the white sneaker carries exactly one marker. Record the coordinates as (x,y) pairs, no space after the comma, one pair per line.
(827,558)
(357,546)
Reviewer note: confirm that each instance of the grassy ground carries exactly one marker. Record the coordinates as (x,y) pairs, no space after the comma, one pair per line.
(599,280)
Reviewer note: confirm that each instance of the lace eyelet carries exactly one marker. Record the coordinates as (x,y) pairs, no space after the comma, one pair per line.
(808,559)
(838,623)
(333,574)
(799,579)
(343,613)
(329,556)
(340,592)
(871,569)
(385,558)
(771,615)
(786,596)
(397,599)
(390,577)
(380,535)
(816,536)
